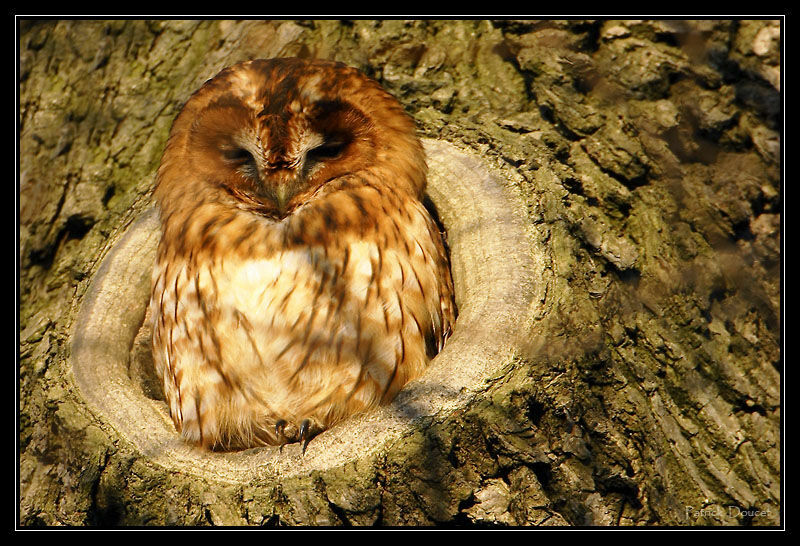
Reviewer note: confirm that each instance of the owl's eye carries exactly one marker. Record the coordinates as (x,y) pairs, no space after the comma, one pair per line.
(328,150)
(237,155)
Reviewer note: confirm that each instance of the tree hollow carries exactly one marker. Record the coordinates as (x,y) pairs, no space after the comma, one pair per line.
(494,264)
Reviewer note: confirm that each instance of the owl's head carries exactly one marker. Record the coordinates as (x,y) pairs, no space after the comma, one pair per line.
(272,134)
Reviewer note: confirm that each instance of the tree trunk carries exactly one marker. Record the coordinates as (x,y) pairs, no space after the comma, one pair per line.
(612,200)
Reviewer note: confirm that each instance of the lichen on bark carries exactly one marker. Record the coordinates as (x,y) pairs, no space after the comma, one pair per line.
(647,153)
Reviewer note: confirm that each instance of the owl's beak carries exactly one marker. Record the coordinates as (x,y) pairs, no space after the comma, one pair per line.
(280,186)
(283,194)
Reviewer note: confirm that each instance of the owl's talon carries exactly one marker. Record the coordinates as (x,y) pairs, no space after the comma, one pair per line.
(305,435)
(280,425)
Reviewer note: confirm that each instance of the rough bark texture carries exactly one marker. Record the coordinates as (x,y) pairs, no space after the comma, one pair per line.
(647,391)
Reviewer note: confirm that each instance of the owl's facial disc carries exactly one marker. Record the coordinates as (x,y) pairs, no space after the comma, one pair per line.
(274,157)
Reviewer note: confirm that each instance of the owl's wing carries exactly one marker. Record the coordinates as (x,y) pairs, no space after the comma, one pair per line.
(447,307)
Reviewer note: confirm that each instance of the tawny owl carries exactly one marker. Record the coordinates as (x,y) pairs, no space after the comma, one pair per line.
(299,278)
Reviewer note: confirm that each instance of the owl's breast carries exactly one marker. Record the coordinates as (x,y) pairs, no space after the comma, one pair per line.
(286,333)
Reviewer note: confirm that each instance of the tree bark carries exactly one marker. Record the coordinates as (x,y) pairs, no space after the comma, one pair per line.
(634,168)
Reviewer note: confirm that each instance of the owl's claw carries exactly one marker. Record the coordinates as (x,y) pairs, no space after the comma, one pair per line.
(305,435)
